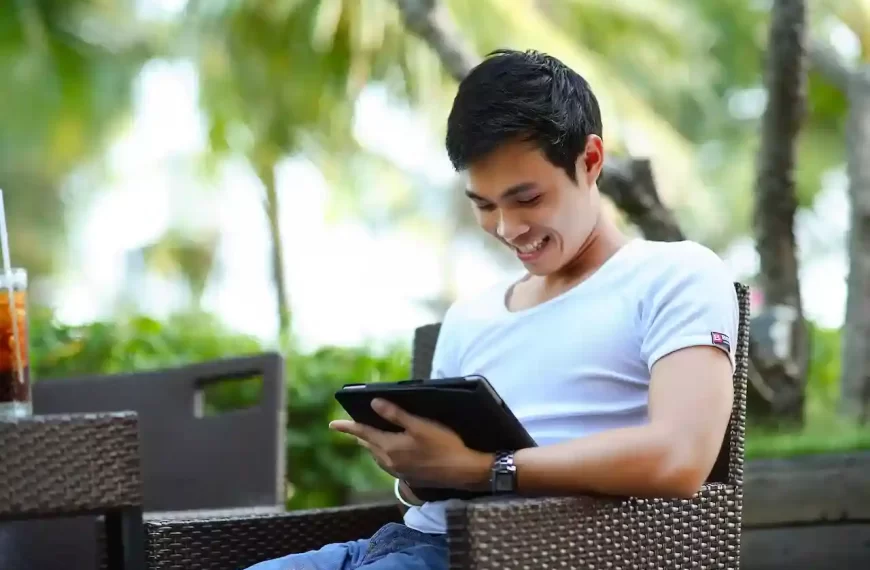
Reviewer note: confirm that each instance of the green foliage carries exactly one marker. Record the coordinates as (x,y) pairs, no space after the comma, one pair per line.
(68,69)
(671,68)
(133,343)
(823,377)
(823,431)
(275,76)
(324,468)
(828,437)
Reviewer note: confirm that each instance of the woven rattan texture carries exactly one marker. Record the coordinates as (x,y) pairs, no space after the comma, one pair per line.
(737,428)
(56,465)
(231,544)
(591,533)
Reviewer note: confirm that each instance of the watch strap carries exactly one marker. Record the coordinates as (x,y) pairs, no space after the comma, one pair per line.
(503,478)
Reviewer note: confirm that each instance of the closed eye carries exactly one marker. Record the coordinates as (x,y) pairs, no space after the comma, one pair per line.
(530,201)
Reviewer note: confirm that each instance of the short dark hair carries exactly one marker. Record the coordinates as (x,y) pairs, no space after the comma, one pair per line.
(522,95)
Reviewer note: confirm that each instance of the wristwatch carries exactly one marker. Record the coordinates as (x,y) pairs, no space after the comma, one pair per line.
(503,477)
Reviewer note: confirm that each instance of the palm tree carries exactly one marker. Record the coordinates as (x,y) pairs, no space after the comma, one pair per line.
(280,78)
(283,78)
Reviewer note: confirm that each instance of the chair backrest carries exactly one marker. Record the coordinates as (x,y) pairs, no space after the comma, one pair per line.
(192,460)
(729,463)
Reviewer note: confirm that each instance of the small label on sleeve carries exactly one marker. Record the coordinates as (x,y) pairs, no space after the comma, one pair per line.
(722,340)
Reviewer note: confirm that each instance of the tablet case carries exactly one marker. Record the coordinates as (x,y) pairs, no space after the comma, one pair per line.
(468,405)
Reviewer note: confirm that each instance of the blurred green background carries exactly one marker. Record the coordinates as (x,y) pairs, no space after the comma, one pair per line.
(186,180)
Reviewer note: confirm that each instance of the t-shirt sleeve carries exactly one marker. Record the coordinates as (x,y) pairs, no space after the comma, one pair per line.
(693,303)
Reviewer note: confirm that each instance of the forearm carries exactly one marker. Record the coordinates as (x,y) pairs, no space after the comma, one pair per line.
(638,461)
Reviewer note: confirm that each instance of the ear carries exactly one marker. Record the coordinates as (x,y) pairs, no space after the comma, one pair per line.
(591,161)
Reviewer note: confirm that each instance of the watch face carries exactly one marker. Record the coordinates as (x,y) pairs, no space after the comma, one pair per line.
(503,482)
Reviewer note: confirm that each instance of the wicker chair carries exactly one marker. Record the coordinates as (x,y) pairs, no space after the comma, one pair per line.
(206,470)
(560,532)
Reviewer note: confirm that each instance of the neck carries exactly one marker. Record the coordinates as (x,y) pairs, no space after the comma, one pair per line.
(604,240)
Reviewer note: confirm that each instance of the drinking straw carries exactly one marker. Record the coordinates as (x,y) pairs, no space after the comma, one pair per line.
(7,272)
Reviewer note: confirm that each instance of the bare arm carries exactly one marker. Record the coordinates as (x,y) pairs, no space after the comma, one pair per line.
(690,402)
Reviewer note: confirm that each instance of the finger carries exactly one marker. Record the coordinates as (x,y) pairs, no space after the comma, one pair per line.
(379,455)
(382,459)
(373,449)
(395,414)
(358,430)
(364,443)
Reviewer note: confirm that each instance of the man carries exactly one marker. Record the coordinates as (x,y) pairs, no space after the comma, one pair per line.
(615,354)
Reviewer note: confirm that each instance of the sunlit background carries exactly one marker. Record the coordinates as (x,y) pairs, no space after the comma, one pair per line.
(348,282)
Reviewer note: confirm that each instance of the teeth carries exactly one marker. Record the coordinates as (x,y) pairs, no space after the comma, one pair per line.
(532,247)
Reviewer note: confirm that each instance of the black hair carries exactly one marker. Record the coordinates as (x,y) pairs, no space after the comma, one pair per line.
(522,95)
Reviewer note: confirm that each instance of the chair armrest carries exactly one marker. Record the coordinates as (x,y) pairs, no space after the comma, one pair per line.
(232,543)
(578,532)
(598,532)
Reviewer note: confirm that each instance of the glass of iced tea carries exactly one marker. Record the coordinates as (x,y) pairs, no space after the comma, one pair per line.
(15,395)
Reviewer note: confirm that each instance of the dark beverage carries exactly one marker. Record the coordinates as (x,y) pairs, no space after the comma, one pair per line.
(14,348)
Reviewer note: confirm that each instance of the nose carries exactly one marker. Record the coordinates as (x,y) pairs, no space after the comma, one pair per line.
(509,229)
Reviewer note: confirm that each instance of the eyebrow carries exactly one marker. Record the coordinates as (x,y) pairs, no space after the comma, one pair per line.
(512,191)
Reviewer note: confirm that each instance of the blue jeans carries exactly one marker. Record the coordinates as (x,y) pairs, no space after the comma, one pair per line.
(393,547)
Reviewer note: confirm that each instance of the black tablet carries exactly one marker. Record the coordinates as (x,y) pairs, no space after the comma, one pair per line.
(468,405)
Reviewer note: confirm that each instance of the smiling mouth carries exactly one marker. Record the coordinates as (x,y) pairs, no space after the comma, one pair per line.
(531,249)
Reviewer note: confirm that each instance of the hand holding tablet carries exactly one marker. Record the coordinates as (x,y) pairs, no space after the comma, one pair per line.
(440,430)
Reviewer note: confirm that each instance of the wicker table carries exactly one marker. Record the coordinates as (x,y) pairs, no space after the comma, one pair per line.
(69,465)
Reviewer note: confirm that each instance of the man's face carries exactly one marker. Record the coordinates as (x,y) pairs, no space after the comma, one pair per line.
(533,206)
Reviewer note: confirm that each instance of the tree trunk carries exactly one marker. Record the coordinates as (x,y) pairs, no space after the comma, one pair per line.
(431,22)
(855,376)
(266,173)
(630,184)
(783,358)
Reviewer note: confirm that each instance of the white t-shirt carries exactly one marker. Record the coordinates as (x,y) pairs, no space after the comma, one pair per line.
(580,363)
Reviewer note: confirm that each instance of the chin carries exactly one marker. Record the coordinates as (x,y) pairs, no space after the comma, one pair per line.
(539,270)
